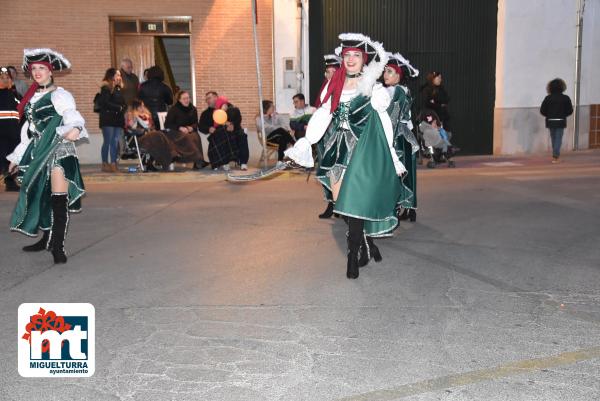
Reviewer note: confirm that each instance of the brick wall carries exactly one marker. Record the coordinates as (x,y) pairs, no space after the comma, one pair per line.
(221,40)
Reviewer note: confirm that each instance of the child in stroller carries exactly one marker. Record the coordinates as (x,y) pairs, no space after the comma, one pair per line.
(435,141)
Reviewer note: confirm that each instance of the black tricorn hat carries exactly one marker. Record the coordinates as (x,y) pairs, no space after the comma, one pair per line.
(52,57)
(374,50)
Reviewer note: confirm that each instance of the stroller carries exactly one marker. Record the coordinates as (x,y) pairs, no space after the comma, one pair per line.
(435,141)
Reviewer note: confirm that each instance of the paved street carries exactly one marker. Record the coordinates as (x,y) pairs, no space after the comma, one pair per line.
(206,290)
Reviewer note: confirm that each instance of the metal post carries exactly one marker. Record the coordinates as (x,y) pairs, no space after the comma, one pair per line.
(580,10)
(259,79)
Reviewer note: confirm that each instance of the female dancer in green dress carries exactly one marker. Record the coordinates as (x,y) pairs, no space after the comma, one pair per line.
(395,76)
(332,63)
(359,164)
(46,158)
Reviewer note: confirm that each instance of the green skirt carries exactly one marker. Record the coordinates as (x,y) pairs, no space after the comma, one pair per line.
(370,188)
(33,210)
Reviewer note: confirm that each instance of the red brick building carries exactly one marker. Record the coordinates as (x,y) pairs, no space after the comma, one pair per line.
(220,36)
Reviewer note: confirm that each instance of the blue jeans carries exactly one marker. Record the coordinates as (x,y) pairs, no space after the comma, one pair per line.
(556,135)
(111,136)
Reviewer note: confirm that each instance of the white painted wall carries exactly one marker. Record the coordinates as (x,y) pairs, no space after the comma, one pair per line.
(590,75)
(285,42)
(536,43)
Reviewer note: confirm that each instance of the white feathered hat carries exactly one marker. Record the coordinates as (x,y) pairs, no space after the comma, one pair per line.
(400,61)
(377,58)
(45,55)
(332,60)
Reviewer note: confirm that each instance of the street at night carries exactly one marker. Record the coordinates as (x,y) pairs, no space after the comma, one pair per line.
(207,290)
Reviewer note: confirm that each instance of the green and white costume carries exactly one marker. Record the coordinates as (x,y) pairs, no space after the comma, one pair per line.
(405,143)
(50,116)
(358,148)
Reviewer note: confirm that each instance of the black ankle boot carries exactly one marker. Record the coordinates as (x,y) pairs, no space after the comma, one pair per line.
(40,245)
(404,215)
(60,220)
(355,237)
(328,212)
(373,250)
(412,215)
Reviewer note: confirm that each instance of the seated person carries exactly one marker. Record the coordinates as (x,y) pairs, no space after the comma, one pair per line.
(434,135)
(300,116)
(206,123)
(181,126)
(228,142)
(275,129)
(139,122)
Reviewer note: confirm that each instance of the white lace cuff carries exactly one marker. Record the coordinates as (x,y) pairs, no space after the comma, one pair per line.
(301,153)
(398,166)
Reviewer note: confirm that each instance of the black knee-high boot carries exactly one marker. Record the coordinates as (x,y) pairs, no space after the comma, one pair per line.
(41,245)
(368,251)
(60,221)
(355,237)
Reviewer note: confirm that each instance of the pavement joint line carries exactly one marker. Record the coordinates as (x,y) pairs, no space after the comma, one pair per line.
(478,376)
(135,223)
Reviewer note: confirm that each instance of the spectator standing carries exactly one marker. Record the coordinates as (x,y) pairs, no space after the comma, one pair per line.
(435,97)
(131,81)
(556,107)
(300,116)
(112,118)
(9,125)
(275,129)
(206,122)
(20,85)
(155,94)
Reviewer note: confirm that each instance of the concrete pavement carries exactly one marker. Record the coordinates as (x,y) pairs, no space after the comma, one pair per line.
(206,290)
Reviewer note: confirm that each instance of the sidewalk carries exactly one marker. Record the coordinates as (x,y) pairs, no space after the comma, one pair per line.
(183,173)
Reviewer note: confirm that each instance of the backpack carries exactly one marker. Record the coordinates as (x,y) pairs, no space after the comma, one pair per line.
(97,105)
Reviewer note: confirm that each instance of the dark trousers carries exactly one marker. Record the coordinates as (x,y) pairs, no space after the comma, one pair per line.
(282,138)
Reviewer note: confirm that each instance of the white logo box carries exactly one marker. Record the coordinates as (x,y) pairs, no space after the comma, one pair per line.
(79,363)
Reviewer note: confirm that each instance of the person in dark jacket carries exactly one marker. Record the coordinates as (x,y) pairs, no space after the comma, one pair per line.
(556,107)
(434,97)
(206,123)
(131,81)
(9,125)
(181,127)
(112,118)
(155,94)
(228,142)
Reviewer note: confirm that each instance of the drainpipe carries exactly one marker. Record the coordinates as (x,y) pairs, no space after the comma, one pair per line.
(300,46)
(580,10)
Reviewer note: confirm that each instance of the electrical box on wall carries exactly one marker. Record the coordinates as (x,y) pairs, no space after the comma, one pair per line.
(289,73)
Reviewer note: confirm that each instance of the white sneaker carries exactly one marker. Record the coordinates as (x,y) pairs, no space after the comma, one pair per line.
(172,167)
(279,164)
(226,167)
(244,167)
